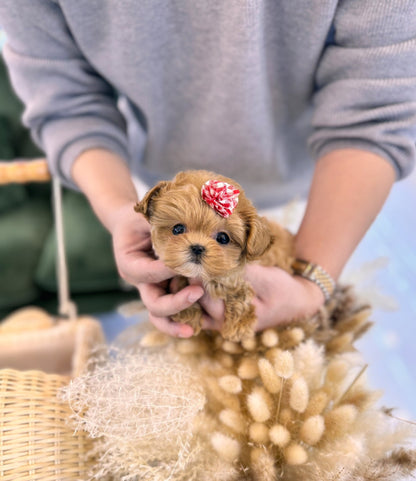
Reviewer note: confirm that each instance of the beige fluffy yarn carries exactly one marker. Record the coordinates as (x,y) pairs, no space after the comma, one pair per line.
(140,407)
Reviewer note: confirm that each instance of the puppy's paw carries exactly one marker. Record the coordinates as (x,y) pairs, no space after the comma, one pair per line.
(192,316)
(238,328)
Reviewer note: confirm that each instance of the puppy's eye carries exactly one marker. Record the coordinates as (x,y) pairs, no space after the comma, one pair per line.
(222,238)
(178,229)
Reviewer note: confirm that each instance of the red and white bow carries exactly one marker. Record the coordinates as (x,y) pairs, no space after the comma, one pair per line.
(221,196)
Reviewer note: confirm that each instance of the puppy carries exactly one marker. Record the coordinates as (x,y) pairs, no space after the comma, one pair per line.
(204,227)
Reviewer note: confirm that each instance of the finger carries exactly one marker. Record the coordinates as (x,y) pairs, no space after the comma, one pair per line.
(161,304)
(176,284)
(210,324)
(195,282)
(171,328)
(143,269)
(214,308)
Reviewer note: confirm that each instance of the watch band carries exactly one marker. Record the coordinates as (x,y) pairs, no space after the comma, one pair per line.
(316,274)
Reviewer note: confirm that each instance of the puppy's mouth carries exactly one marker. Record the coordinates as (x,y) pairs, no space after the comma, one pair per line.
(191,269)
(193,262)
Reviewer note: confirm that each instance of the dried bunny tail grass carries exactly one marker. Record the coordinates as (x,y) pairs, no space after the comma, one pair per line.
(269,338)
(309,362)
(356,321)
(231,347)
(248,368)
(190,346)
(298,410)
(395,466)
(384,433)
(226,360)
(271,381)
(295,454)
(317,403)
(263,465)
(340,343)
(347,328)
(234,420)
(284,364)
(286,416)
(362,398)
(218,398)
(273,354)
(258,433)
(340,421)
(334,462)
(299,395)
(249,344)
(227,448)
(230,383)
(312,430)
(279,435)
(336,371)
(342,304)
(259,405)
(291,337)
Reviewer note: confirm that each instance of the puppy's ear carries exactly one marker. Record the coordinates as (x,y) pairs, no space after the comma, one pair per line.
(259,237)
(145,205)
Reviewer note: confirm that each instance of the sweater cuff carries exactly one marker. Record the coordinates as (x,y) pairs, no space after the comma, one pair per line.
(76,148)
(65,140)
(363,145)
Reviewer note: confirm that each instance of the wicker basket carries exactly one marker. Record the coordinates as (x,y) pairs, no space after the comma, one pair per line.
(39,355)
(36,442)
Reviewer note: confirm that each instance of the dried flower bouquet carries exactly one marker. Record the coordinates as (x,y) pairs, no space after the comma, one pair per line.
(291,404)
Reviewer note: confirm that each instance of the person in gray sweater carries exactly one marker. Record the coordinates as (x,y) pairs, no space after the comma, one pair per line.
(290,98)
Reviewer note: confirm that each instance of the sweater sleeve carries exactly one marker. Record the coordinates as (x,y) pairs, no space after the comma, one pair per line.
(365,93)
(69,107)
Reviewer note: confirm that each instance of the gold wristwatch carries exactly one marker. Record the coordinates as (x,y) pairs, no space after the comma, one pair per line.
(316,274)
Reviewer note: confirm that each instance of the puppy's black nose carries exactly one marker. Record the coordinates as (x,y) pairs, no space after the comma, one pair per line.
(197,251)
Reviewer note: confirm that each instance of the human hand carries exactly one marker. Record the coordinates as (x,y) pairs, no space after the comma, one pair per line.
(280,298)
(138,266)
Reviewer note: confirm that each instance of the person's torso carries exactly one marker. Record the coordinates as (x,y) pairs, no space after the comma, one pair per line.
(219,85)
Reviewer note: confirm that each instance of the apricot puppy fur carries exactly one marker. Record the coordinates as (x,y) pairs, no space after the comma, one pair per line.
(196,241)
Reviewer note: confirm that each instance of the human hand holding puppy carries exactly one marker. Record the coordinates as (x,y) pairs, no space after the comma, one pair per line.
(279,298)
(105,179)
(138,266)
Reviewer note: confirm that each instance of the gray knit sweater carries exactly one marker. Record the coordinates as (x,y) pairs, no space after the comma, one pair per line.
(254,89)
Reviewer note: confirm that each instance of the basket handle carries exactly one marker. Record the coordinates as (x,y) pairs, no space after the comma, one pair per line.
(23,171)
(67,308)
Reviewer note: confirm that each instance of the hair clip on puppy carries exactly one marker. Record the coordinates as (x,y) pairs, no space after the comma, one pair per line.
(221,196)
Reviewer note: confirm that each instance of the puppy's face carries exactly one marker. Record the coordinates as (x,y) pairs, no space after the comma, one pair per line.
(195,241)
